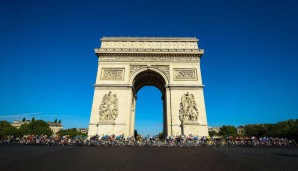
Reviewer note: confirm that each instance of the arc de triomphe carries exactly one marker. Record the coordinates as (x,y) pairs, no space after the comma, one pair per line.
(126,64)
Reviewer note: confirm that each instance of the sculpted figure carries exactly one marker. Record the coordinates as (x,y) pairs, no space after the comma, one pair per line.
(108,109)
(188,108)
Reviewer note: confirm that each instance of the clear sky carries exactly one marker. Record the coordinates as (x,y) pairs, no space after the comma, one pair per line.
(249,69)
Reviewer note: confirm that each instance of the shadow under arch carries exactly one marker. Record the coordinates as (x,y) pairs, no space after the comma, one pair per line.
(150,77)
(152,71)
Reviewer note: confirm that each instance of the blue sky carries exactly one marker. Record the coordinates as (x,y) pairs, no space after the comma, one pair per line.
(48,66)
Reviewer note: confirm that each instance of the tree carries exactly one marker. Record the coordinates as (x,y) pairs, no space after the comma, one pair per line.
(33,119)
(254,130)
(59,121)
(24,130)
(7,129)
(287,129)
(160,135)
(37,127)
(213,133)
(24,119)
(55,121)
(71,132)
(228,131)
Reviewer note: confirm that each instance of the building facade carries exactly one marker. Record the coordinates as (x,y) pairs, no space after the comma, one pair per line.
(18,124)
(55,127)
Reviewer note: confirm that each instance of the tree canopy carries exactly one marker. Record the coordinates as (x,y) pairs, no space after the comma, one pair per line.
(71,132)
(213,133)
(287,129)
(228,131)
(7,129)
(37,127)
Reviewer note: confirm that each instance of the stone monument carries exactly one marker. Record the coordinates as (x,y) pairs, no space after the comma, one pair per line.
(126,64)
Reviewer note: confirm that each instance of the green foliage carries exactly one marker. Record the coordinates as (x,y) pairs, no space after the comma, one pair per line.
(287,129)
(7,129)
(228,131)
(55,121)
(24,119)
(4,124)
(59,121)
(160,135)
(24,129)
(213,133)
(254,130)
(33,119)
(36,127)
(71,132)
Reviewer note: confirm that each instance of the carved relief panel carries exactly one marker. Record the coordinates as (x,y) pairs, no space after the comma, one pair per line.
(188,108)
(112,74)
(108,110)
(185,74)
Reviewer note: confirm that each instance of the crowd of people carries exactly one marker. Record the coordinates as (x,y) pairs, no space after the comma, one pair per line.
(151,141)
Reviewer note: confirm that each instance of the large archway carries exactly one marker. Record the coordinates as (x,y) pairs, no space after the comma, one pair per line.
(150,77)
(126,64)
(149,111)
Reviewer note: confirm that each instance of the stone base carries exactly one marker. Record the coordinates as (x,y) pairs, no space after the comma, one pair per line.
(106,128)
(194,128)
(190,127)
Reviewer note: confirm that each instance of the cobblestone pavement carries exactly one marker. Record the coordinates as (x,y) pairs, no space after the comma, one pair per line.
(146,158)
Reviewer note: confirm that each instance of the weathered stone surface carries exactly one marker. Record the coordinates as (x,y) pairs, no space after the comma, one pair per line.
(188,108)
(126,64)
(108,110)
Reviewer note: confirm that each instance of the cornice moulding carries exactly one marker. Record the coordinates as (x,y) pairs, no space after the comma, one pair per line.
(143,50)
(185,85)
(112,85)
(157,39)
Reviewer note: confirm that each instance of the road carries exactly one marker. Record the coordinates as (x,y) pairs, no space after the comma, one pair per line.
(146,158)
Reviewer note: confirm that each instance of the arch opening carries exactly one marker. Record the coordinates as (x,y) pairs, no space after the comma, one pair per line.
(149,112)
(150,78)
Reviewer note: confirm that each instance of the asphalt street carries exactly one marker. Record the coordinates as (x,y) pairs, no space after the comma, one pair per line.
(146,158)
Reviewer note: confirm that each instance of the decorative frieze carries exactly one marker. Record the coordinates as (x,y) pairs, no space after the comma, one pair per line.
(163,68)
(112,74)
(113,38)
(108,110)
(188,108)
(189,74)
(149,57)
(149,43)
(140,54)
(135,68)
